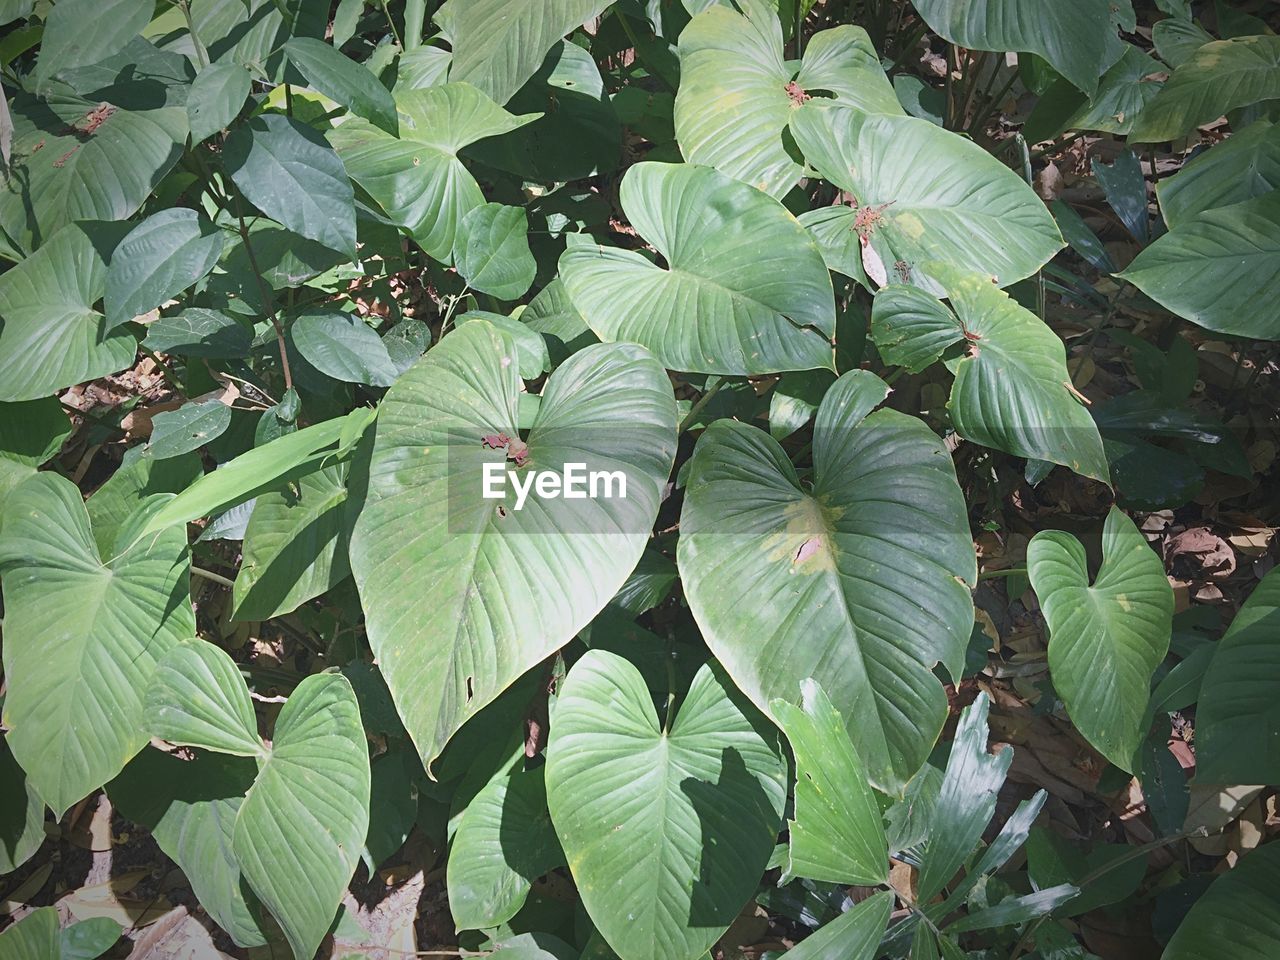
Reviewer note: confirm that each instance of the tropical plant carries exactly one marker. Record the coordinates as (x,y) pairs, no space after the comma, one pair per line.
(639,479)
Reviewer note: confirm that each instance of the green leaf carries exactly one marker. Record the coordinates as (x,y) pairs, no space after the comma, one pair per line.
(202,333)
(342,346)
(190,807)
(578,134)
(289,172)
(217,95)
(82,638)
(854,935)
(253,32)
(1012,389)
(162,256)
(1245,165)
(738,93)
(197,698)
(75,159)
(510,581)
(1177,40)
(300,830)
(499,44)
(1016,910)
(1078,39)
(188,428)
(260,469)
(912,328)
(52,337)
(31,432)
(344,80)
(1237,918)
(1219,77)
(295,547)
(1107,873)
(1237,714)
(865,577)
(926,194)
(966,801)
(666,828)
(78,33)
(492,251)
(503,843)
(532,358)
(1220,269)
(34,937)
(837,834)
(21,814)
(722,305)
(1105,640)
(1123,93)
(552,314)
(140,476)
(417,178)
(795,400)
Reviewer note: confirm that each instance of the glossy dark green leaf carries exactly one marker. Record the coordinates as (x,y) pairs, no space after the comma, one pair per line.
(344,347)
(217,95)
(188,428)
(344,80)
(1239,703)
(162,256)
(1238,917)
(666,827)
(492,251)
(1110,869)
(912,328)
(854,935)
(289,172)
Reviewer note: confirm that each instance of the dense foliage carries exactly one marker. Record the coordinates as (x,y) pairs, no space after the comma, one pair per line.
(916,362)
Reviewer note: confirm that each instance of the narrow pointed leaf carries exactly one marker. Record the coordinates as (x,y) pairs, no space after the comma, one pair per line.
(352,84)
(666,830)
(1105,639)
(837,834)
(854,935)
(745,289)
(862,583)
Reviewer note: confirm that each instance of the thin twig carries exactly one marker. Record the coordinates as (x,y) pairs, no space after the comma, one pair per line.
(697,408)
(265,291)
(211,576)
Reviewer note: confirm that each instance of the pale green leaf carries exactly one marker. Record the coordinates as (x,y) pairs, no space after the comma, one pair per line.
(197,698)
(217,94)
(492,251)
(1245,165)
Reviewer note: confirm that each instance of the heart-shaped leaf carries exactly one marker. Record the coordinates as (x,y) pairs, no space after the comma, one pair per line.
(911,327)
(666,827)
(510,579)
(1220,269)
(299,833)
(1105,639)
(162,256)
(289,172)
(1239,707)
(499,44)
(82,637)
(926,194)
(417,177)
(738,93)
(745,290)
(837,834)
(863,582)
(1012,389)
(1220,76)
(52,337)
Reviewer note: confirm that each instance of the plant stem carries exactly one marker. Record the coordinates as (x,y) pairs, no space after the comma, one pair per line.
(392,24)
(266,294)
(1009,572)
(211,576)
(202,55)
(698,406)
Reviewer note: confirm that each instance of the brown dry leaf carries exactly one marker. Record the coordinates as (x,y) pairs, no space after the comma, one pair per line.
(109,900)
(1198,553)
(388,923)
(176,936)
(902,878)
(1212,808)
